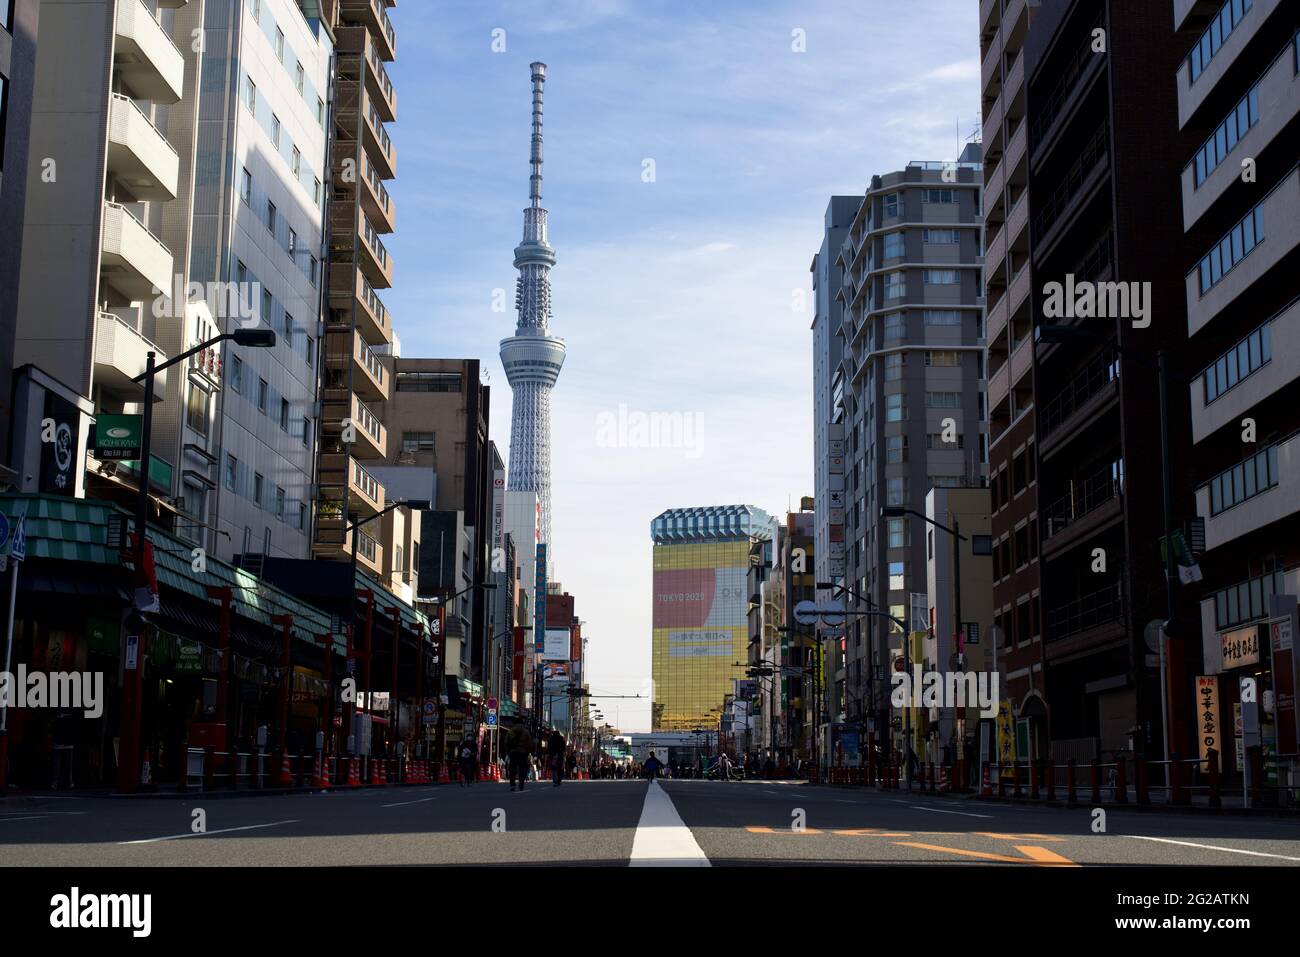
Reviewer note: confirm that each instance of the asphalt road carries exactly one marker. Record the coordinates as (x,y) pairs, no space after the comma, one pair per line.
(619,823)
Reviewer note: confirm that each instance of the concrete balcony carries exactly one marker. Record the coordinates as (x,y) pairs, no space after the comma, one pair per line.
(1192,94)
(372,254)
(144,56)
(121,353)
(372,15)
(366,494)
(360,42)
(138,154)
(999,385)
(1022,358)
(376,201)
(351,292)
(1015,79)
(1278,100)
(133,260)
(988,10)
(1260,510)
(1018,218)
(993,120)
(1017,147)
(378,143)
(1281,236)
(996,318)
(335,542)
(991,68)
(370,380)
(1020,289)
(995,181)
(371,438)
(1271,377)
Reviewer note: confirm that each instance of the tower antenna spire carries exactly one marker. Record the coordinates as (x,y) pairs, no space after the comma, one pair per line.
(535,180)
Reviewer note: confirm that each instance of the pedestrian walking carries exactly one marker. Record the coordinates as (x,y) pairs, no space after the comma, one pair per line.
(555,746)
(468,762)
(519,745)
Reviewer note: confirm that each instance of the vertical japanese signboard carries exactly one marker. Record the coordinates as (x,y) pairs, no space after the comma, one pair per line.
(1208,734)
(539,600)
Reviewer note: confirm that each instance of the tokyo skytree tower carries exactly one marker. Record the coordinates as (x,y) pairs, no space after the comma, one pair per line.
(532,356)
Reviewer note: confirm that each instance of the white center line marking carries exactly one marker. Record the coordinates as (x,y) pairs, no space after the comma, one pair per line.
(1211,847)
(29,817)
(662,839)
(227,830)
(922,807)
(404,803)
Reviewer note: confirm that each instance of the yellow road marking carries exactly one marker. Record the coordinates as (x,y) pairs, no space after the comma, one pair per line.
(769,830)
(871,832)
(1018,837)
(1039,856)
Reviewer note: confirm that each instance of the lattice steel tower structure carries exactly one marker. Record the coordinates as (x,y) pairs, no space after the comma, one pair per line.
(532,356)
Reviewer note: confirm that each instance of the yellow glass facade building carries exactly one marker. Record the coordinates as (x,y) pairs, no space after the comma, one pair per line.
(700,612)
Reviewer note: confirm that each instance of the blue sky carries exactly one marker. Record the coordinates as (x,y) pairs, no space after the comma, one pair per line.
(678,295)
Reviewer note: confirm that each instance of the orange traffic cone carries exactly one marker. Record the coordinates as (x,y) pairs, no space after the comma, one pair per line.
(286,773)
(443,777)
(354,773)
(318,779)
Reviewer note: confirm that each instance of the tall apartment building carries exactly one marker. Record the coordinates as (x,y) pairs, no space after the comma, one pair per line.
(913,397)
(1103,153)
(106,247)
(18,20)
(259,226)
(828,435)
(1239,85)
(358,327)
(1008,274)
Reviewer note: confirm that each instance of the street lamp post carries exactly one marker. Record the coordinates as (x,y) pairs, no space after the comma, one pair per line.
(133,676)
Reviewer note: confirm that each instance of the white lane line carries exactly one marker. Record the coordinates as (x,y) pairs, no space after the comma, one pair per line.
(922,807)
(1210,847)
(29,817)
(405,803)
(226,830)
(662,839)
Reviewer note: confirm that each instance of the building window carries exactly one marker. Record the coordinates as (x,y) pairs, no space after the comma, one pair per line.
(943,400)
(296,162)
(251,101)
(272,215)
(1245,480)
(1246,357)
(314,274)
(284,414)
(232,472)
(418,441)
(293,244)
(895,327)
(941,277)
(302,517)
(310,355)
(275,131)
(1232,248)
(893,245)
(257,11)
(246,187)
(196,409)
(894,366)
(942,357)
(889,202)
(1247,600)
(938,196)
(300,78)
(257,489)
(1223,23)
(897,576)
(895,449)
(940,237)
(306,430)
(316,191)
(320,112)
(942,317)
(268,304)
(895,285)
(428,382)
(236,374)
(279,503)
(279,44)
(261,396)
(895,407)
(896,491)
(1237,124)
(934,442)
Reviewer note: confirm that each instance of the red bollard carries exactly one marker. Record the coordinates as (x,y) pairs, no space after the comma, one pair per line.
(1256,756)
(1034,771)
(1095,768)
(986,786)
(1071,794)
(1051,781)
(1015,778)
(1177,789)
(1212,759)
(1002,782)
(928,783)
(1121,781)
(1140,781)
